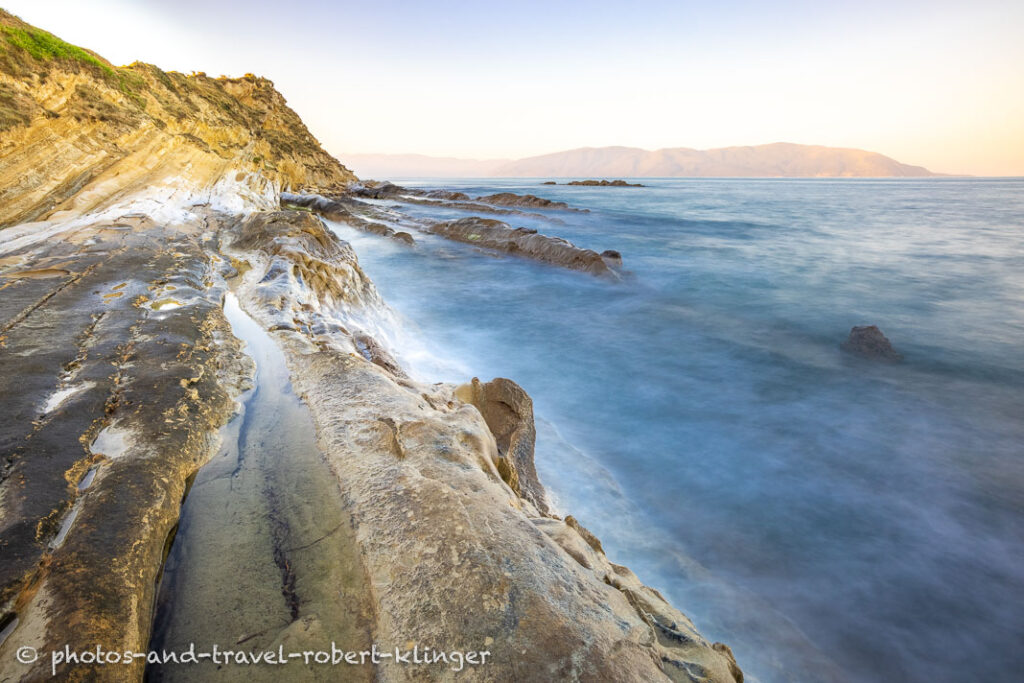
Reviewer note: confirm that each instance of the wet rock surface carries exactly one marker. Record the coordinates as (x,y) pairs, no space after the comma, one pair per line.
(867,341)
(481,232)
(265,555)
(528,200)
(423,507)
(343,212)
(528,243)
(441,532)
(90,485)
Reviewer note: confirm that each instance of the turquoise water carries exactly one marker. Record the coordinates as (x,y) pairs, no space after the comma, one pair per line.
(829,518)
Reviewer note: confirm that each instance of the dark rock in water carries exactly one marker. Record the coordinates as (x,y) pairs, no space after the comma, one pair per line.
(494,234)
(511,199)
(869,342)
(404,237)
(372,189)
(448,194)
(549,182)
(612,258)
(508,412)
(604,183)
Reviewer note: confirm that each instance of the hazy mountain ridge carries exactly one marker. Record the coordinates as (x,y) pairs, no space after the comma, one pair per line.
(776,160)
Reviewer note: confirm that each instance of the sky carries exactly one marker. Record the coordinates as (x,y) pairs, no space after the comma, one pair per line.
(932,83)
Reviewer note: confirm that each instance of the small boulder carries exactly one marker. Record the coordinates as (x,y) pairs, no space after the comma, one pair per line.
(868,341)
(612,258)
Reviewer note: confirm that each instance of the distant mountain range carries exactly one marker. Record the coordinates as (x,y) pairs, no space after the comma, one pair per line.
(777,160)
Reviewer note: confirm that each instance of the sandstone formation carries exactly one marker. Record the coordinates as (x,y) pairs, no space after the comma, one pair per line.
(493,234)
(508,412)
(400,511)
(339,210)
(480,232)
(117,367)
(529,200)
(612,258)
(503,203)
(869,342)
(78,133)
(447,194)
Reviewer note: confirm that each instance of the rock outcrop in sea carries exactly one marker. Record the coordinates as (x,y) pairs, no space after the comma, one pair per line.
(136,203)
(604,183)
(868,341)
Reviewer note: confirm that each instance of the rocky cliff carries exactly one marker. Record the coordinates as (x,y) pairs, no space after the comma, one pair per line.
(77,133)
(371,509)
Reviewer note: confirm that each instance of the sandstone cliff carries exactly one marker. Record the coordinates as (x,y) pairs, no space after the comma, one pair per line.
(77,133)
(140,203)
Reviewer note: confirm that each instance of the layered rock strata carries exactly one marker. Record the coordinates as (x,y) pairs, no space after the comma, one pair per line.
(499,236)
(119,371)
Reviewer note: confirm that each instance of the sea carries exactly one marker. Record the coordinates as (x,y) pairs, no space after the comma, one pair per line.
(831,518)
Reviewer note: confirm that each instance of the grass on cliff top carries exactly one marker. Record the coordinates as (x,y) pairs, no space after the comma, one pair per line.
(46,46)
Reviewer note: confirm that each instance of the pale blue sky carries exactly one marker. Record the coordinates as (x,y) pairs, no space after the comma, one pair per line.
(934,83)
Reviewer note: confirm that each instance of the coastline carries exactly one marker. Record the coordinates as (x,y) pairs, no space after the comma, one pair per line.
(124,259)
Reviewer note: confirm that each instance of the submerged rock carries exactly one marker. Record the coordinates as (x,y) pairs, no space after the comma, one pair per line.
(868,342)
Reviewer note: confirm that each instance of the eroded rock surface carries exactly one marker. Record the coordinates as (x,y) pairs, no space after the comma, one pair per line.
(119,373)
(528,200)
(508,412)
(500,236)
(132,335)
(442,532)
(339,210)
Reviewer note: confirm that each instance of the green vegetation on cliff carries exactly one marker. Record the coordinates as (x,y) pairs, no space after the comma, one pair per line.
(42,45)
(111,119)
